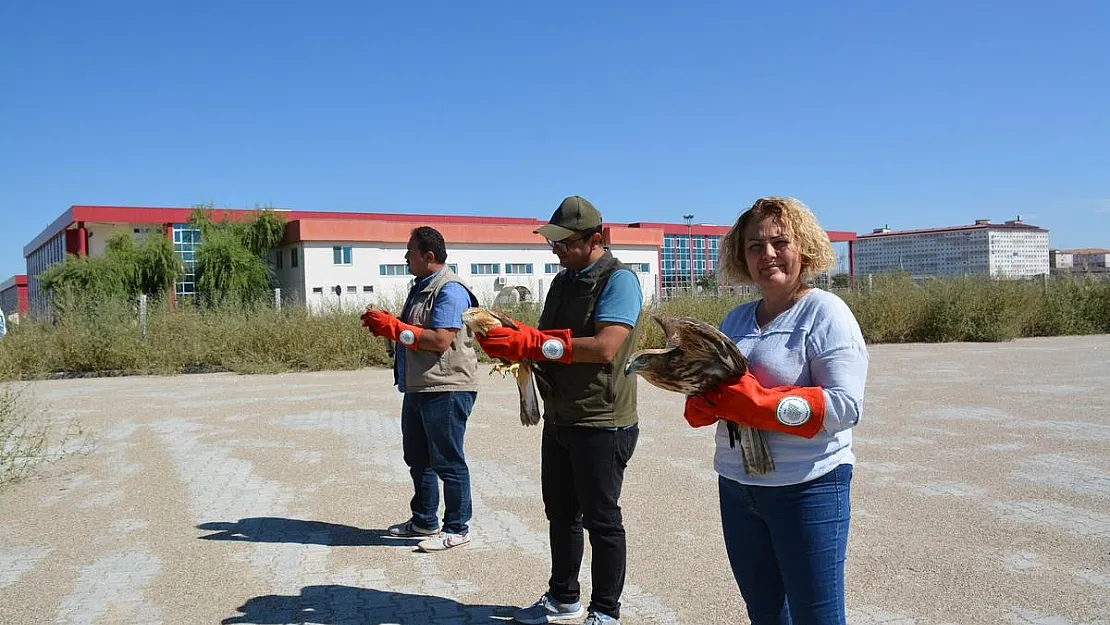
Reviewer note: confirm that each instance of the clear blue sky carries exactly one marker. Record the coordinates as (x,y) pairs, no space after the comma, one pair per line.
(912,114)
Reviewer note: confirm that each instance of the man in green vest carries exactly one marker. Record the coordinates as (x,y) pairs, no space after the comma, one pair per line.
(589,322)
(437,373)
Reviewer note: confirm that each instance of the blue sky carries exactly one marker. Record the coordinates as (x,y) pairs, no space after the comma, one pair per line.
(912,114)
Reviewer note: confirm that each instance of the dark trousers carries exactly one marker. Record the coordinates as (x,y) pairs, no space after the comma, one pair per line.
(787,546)
(432,429)
(582,471)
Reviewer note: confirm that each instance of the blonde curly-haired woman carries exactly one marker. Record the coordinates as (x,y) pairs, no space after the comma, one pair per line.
(786,532)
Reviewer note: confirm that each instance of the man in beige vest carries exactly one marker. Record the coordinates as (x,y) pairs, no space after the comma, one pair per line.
(437,373)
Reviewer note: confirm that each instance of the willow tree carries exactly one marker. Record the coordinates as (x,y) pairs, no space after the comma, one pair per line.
(124,271)
(230,263)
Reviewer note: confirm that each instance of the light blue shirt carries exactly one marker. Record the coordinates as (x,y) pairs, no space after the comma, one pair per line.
(816,342)
(447,312)
(621,299)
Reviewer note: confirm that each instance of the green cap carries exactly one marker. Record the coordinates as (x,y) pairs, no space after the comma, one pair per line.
(574,214)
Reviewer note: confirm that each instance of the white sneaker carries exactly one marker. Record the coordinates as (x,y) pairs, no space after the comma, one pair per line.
(443,542)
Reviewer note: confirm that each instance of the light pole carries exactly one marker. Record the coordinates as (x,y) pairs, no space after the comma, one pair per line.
(690,246)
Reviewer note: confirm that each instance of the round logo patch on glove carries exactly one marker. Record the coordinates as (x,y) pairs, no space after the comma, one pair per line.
(406,337)
(793,411)
(552,349)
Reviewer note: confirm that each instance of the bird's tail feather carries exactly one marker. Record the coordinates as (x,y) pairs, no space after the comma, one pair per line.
(755,450)
(529,398)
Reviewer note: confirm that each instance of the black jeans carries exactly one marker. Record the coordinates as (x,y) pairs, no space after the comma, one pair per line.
(582,471)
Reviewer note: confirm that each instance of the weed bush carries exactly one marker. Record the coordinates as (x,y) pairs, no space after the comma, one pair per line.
(105,337)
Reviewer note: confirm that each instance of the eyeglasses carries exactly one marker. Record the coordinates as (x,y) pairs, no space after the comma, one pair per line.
(560,247)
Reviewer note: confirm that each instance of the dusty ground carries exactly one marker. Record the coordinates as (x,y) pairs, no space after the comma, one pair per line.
(982,495)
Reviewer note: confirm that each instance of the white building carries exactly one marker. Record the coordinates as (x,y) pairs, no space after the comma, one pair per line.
(1080,261)
(1008,250)
(360,253)
(364,260)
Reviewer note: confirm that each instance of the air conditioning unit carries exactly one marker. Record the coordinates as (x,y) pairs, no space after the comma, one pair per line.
(498,283)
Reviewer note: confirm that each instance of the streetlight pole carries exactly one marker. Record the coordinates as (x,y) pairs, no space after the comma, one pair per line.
(690,246)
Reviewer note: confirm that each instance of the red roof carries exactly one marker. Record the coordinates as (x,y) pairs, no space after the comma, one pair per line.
(1084,250)
(164,215)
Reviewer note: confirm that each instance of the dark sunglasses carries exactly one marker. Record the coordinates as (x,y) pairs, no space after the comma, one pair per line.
(561,246)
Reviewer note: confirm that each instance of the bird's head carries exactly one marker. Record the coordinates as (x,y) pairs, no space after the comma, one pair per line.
(696,355)
(655,359)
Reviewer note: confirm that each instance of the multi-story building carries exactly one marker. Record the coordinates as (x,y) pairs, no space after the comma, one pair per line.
(1080,261)
(13,297)
(348,260)
(1012,249)
(691,252)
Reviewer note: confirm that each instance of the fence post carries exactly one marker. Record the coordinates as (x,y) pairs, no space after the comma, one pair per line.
(277,298)
(870,285)
(142,316)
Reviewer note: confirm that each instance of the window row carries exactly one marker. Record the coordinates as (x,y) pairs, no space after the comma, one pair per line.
(341,255)
(338,290)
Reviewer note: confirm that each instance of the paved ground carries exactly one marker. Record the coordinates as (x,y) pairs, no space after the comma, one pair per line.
(982,495)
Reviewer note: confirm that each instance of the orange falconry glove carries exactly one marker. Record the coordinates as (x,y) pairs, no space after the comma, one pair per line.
(527,343)
(381,323)
(797,410)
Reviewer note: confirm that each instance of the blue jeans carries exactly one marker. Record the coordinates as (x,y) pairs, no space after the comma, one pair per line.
(432,429)
(787,546)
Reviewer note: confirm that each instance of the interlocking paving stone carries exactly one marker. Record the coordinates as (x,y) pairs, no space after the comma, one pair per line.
(981,495)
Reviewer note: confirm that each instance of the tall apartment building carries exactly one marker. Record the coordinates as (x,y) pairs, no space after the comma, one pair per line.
(1012,249)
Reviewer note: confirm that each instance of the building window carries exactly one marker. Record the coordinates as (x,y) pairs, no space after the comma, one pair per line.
(518,269)
(485,269)
(551,268)
(341,255)
(454,268)
(352,289)
(640,267)
(393,270)
(318,290)
(185,241)
(280,258)
(369,288)
(293,257)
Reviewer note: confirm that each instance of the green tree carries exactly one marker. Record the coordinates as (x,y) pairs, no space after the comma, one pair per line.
(230,259)
(123,272)
(708,281)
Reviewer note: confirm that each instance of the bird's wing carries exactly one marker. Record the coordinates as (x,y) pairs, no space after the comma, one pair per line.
(480,320)
(732,354)
(504,319)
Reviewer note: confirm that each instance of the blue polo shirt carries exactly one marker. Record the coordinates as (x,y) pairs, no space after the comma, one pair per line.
(447,312)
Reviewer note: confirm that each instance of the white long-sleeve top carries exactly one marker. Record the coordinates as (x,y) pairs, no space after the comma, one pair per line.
(816,342)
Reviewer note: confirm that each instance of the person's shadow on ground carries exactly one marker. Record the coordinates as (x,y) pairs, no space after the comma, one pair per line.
(347,605)
(279,530)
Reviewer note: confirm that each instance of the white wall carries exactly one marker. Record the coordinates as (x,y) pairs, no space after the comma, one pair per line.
(99,233)
(1018,253)
(317,270)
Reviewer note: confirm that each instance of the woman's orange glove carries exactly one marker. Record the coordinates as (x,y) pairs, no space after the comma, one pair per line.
(797,410)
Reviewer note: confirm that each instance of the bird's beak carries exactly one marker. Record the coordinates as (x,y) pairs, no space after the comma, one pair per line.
(633,365)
